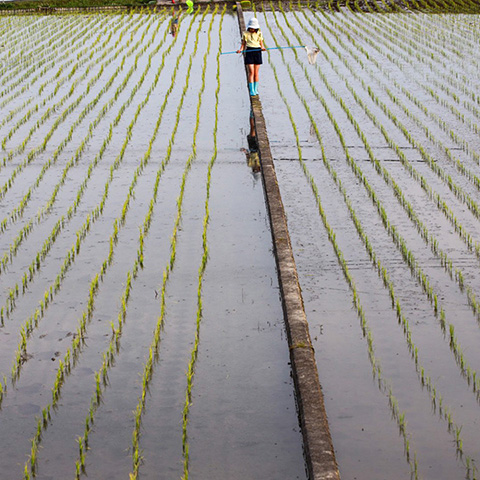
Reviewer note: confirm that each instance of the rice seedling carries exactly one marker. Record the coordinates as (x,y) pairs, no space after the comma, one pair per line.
(425,379)
(203,263)
(100,375)
(376,369)
(446,261)
(81,234)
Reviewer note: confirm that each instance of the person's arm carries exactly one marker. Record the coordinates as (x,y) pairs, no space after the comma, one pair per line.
(242,46)
(260,41)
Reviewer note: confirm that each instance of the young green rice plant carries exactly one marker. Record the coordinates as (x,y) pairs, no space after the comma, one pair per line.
(425,380)
(194,353)
(61,223)
(62,66)
(429,238)
(77,341)
(410,259)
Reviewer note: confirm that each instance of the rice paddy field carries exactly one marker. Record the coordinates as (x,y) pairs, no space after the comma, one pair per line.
(142,330)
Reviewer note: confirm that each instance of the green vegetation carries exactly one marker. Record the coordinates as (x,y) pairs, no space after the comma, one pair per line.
(99,106)
(45,6)
(426,382)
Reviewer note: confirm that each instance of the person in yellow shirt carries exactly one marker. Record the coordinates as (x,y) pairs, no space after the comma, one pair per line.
(252,45)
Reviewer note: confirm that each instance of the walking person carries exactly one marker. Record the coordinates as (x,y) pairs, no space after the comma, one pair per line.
(252,45)
(174,24)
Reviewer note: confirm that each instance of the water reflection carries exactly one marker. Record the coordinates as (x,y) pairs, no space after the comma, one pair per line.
(252,154)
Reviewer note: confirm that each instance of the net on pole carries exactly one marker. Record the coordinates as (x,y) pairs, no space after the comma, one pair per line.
(312,53)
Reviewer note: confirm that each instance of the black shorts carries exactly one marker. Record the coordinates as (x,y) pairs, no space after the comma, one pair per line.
(253,56)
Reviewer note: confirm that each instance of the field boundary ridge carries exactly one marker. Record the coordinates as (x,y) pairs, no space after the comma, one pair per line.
(317,441)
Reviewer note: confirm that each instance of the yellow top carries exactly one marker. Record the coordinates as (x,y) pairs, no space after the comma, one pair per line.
(253,39)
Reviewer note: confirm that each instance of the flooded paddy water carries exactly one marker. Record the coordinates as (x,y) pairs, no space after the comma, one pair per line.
(376,150)
(142,329)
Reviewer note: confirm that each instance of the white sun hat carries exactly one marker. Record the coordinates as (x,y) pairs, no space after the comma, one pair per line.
(253,23)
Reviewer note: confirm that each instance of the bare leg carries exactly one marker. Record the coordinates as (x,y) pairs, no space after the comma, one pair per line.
(251,73)
(256,73)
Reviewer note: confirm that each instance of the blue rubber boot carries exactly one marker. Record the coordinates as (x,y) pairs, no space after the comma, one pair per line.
(251,89)
(255,88)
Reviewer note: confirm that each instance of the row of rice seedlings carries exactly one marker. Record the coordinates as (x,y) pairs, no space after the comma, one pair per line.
(399,241)
(74,350)
(97,211)
(31,61)
(203,264)
(384,384)
(441,85)
(23,233)
(153,350)
(48,100)
(68,110)
(430,239)
(33,320)
(3,388)
(66,60)
(436,398)
(109,354)
(43,72)
(17,211)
